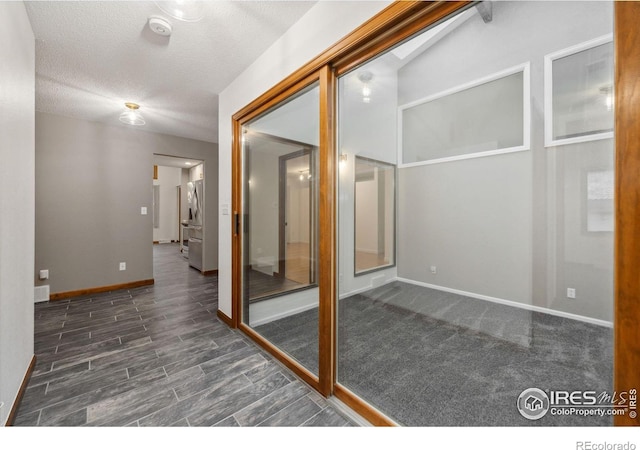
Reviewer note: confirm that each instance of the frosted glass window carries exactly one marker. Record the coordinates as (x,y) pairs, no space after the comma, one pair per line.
(483,118)
(579,83)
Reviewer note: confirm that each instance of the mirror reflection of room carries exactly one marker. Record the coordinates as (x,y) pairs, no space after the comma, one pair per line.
(280,224)
(282,189)
(374,215)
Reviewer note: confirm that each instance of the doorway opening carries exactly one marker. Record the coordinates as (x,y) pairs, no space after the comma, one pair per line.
(178,207)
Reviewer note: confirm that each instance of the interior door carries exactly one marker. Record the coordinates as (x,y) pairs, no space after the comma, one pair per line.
(297,195)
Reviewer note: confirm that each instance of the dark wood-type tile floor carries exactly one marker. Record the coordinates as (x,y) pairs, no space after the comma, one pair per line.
(158,356)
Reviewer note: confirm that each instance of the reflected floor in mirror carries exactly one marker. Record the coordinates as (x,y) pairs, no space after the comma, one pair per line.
(263,286)
(453,360)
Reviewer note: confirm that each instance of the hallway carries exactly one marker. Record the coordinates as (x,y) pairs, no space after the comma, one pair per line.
(158,356)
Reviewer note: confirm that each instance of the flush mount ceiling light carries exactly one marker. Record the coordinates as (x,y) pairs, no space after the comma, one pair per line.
(131,115)
(186,10)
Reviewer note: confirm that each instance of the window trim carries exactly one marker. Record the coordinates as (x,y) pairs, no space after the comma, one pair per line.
(525,68)
(549,140)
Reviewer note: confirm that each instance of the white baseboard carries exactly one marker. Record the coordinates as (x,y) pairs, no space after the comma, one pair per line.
(364,289)
(283,314)
(553,312)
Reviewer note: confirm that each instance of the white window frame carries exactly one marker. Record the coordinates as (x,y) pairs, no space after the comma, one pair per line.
(549,141)
(525,68)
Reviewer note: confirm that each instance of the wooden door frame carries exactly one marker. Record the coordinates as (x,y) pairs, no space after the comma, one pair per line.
(626,324)
(394,24)
(241,118)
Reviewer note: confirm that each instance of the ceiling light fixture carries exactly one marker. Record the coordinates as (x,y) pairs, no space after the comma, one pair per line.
(187,163)
(131,115)
(186,10)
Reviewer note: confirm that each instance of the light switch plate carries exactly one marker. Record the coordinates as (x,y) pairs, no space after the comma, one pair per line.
(143,210)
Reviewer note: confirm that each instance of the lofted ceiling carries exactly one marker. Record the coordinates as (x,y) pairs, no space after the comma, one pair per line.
(92,56)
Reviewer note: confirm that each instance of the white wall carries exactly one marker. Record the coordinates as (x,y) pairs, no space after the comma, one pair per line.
(508,226)
(184,205)
(17,193)
(264,212)
(196,172)
(169,178)
(322,26)
(366,210)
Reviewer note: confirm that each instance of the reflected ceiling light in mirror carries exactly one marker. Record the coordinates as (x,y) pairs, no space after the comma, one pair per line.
(365,78)
(131,115)
(607,91)
(185,10)
(342,161)
(302,176)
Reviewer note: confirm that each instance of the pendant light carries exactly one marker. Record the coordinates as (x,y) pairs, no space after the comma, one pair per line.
(131,115)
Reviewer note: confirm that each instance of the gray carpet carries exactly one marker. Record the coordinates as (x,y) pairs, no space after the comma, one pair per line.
(430,358)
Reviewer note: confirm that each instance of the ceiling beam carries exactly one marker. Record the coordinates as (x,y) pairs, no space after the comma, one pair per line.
(485,9)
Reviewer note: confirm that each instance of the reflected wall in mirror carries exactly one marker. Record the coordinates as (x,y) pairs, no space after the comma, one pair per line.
(281,250)
(375,214)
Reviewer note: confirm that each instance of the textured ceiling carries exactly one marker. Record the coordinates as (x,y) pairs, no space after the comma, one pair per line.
(92,56)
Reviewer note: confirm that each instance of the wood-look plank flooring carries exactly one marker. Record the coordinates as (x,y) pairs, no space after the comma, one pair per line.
(158,356)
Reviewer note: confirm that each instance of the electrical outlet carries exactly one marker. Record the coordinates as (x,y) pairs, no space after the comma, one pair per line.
(433,269)
(571,293)
(123,266)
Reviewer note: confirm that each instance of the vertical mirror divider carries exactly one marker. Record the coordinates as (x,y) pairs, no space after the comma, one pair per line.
(627,208)
(327,232)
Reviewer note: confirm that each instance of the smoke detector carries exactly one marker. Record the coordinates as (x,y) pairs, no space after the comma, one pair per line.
(160,25)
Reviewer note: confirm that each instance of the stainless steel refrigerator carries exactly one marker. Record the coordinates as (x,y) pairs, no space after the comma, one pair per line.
(195,200)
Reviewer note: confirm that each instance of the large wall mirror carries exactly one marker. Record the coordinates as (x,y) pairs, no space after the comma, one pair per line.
(280,295)
(375,213)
